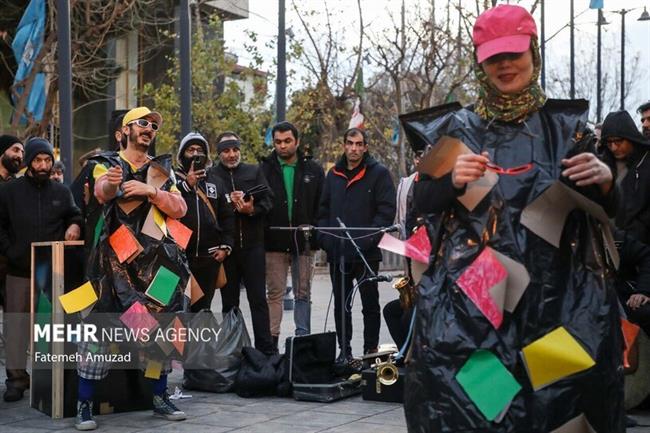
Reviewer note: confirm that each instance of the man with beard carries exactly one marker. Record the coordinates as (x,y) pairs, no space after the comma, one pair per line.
(644,111)
(296,182)
(360,192)
(33,208)
(133,188)
(208,215)
(12,151)
(247,262)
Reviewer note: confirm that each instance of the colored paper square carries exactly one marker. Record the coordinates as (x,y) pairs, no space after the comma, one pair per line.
(193,291)
(477,281)
(78,299)
(579,424)
(554,357)
(129,205)
(162,287)
(179,232)
(124,244)
(154,368)
(418,246)
(178,342)
(150,227)
(98,229)
(138,318)
(630,332)
(488,383)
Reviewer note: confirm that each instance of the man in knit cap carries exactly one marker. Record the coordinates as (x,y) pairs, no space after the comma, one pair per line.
(11,156)
(32,201)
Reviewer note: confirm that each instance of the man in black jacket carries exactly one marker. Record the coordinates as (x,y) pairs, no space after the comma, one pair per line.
(33,208)
(208,215)
(246,263)
(359,191)
(628,155)
(296,182)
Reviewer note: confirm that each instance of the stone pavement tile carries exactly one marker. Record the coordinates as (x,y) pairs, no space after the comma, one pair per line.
(18,429)
(41,422)
(20,411)
(363,427)
(358,407)
(103,427)
(136,420)
(321,420)
(211,397)
(276,427)
(195,408)
(393,417)
(186,427)
(277,406)
(229,419)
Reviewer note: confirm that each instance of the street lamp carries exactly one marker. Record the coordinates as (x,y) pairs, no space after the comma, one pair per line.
(644,17)
(601,22)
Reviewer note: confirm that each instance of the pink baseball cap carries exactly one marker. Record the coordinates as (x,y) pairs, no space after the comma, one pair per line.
(503,29)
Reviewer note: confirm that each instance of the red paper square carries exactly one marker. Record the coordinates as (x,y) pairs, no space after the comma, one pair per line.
(476,281)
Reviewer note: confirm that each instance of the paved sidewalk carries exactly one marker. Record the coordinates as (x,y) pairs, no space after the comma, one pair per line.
(217,413)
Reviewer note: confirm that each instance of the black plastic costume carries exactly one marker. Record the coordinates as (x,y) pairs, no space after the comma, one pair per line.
(569,286)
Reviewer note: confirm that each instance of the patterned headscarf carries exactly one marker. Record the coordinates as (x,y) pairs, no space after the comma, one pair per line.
(493,104)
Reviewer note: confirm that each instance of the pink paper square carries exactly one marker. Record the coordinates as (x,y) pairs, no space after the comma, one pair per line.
(418,246)
(485,272)
(138,318)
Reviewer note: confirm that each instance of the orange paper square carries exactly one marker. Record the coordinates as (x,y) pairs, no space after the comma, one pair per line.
(179,232)
(124,243)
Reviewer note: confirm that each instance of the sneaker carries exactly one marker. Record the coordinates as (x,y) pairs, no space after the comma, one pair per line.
(163,407)
(13,394)
(85,416)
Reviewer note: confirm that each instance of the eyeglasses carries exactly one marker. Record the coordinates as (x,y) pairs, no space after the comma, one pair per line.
(513,171)
(615,141)
(143,123)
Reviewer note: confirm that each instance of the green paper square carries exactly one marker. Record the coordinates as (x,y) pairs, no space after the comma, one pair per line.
(488,383)
(163,285)
(43,317)
(98,229)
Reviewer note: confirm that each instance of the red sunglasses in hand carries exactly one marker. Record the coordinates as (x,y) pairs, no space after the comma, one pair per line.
(513,171)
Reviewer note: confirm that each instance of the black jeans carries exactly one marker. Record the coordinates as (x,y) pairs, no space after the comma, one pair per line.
(249,265)
(398,322)
(369,301)
(205,270)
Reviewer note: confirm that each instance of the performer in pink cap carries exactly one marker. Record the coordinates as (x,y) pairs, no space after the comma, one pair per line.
(517,326)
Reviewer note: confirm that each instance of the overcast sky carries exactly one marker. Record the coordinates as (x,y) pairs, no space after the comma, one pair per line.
(263,19)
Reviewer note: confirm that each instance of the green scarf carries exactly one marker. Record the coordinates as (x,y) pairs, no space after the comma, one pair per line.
(492,104)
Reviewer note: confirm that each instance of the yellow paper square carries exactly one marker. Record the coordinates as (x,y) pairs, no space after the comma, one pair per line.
(554,357)
(154,368)
(78,299)
(159,219)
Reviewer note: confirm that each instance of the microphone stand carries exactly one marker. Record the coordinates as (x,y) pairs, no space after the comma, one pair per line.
(345,229)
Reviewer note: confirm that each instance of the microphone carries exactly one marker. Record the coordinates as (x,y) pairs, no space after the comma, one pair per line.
(379,278)
(393,228)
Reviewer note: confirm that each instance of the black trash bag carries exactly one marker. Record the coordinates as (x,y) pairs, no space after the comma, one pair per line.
(262,375)
(570,286)
(213,367)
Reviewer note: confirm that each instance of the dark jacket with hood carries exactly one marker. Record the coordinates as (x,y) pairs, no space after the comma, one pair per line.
(633,274)
(207,231)
(33,211)
(249,229)
(307,188)
(366,199)
(633,213)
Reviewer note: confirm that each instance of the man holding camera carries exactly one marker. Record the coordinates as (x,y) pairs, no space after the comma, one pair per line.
(208,215)
(251,200)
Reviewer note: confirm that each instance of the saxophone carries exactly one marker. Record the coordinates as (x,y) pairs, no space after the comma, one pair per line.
(406,291)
